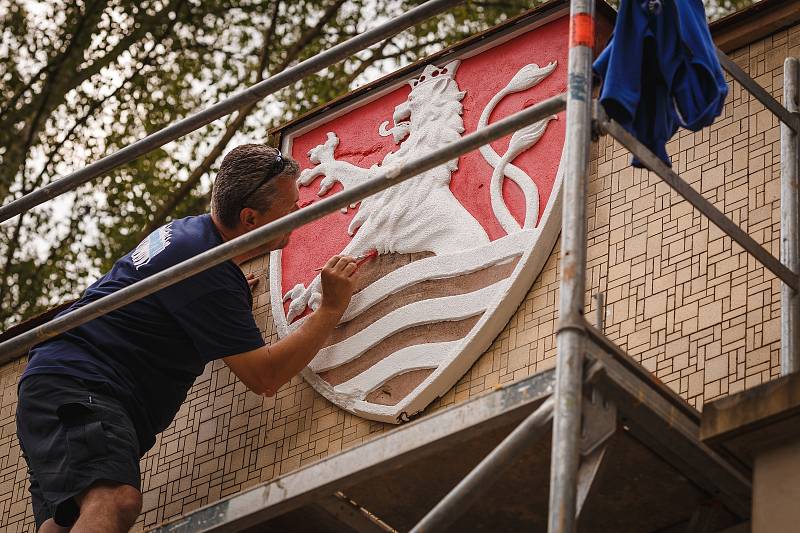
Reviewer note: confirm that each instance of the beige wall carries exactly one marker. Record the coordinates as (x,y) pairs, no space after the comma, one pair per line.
(775,488)
(695,310)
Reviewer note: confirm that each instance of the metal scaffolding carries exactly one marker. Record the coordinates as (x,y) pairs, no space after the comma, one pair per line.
(594,382)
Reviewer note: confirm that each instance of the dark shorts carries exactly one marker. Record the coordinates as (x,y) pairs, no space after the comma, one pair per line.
(72,433)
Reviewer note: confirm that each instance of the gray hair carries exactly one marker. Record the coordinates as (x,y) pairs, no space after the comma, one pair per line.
(241,170)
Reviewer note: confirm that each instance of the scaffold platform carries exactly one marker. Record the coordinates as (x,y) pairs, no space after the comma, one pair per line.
(644,468)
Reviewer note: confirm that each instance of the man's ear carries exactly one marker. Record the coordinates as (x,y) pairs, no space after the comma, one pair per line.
(247,218)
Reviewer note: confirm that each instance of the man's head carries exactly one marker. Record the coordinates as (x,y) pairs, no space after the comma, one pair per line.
(255,185)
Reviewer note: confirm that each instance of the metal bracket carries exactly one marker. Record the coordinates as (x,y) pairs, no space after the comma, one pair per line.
(568,323)
(599,421)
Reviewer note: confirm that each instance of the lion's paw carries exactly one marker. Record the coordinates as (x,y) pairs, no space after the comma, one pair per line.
(301,299)
(315,301)
(294,292)
(307,176)
(324,152)
(327,184)
(296,308)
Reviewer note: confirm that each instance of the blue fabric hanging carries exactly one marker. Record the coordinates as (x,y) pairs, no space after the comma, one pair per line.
(660,71)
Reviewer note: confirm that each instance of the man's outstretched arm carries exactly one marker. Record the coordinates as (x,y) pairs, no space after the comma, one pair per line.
(266,369)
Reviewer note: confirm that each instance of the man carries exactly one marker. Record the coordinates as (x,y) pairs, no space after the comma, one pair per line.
(92,400)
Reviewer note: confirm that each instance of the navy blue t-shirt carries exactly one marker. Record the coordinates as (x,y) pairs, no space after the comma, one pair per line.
(151,350)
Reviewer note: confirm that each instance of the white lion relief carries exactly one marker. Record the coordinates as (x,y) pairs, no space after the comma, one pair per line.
(422,214)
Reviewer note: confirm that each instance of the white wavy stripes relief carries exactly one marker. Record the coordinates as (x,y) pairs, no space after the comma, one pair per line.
(422,215)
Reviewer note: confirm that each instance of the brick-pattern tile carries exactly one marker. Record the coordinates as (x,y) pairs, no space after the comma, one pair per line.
(686,302)
(683,300)
(15,511)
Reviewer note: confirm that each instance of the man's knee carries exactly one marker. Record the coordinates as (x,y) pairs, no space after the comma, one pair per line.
(124,499)
(129,502)
(50,526)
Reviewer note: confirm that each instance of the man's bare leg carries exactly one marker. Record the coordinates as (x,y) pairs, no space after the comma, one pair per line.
(50,526)
(108,507)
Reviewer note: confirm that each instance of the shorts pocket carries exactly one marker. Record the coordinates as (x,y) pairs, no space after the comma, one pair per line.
(86,438)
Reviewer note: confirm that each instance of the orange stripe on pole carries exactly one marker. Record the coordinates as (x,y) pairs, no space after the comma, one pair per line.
(581,30)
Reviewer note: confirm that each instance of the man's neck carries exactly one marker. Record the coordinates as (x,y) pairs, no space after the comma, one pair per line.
(228,234)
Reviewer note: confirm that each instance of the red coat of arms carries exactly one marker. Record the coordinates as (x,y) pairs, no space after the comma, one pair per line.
(458,246)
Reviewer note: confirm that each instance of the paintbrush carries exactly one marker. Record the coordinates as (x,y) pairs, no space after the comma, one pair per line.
(360,259)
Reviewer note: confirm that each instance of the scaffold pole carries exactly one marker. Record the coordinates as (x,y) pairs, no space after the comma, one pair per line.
(571,327)
(790,221)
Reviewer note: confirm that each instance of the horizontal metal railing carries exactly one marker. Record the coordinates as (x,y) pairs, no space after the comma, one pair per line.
(760,94)
(383,180)
(468,490)
(253,94)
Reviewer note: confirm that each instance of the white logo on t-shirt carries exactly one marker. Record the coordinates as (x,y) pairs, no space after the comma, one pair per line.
(151,246)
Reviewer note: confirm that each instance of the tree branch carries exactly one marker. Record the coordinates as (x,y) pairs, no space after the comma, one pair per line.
(188,185)
(310,34)
(18,143)
(147,25)
(54,64)
(378,54)
(13,244)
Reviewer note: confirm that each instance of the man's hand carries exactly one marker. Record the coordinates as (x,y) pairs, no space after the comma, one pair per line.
(338,283)
(266,369)
(252,280)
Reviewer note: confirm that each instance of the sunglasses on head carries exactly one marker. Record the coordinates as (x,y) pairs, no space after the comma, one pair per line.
(275,169)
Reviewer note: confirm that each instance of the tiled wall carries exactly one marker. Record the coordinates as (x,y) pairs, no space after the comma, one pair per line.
(693,308)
